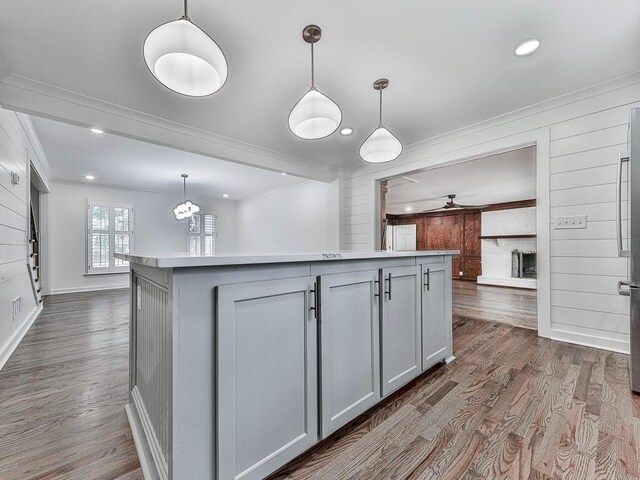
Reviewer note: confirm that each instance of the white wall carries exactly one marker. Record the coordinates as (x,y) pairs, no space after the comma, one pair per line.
(155,230)
(302,218)
(580,136)
(16,149)
(496,254)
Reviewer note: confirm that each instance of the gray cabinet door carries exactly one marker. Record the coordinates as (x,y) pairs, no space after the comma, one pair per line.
(350,347)
(401,327)
(267,391)
(436,313)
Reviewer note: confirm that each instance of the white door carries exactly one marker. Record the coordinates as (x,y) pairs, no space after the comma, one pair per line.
(404,237)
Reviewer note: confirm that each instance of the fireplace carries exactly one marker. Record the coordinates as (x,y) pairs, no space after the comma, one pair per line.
(523,264)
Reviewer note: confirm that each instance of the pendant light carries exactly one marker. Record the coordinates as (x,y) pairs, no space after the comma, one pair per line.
(184,58)
(315,115)
(382,145)
(187,208)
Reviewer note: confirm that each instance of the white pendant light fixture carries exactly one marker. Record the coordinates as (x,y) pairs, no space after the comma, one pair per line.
(185,59)
(315,115)
(382,145)
(187,208)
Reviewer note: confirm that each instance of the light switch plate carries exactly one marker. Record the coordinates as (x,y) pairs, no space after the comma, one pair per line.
(575,221)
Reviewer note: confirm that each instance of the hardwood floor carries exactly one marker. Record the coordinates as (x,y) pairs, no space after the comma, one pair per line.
(511,406)
(62,393)
(513,306)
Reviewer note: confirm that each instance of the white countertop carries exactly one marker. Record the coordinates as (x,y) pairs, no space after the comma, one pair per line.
(183,259)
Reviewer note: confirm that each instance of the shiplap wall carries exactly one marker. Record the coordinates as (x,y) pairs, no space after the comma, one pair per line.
(16,148)
(586,132)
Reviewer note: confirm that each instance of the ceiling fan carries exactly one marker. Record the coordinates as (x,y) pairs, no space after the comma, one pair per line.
(452,205)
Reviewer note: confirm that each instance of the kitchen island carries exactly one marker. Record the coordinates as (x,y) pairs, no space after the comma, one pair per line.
(238,364)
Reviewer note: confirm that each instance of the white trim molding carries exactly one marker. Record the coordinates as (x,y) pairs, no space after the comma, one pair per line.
(25,95)
(96,288)
(14,340)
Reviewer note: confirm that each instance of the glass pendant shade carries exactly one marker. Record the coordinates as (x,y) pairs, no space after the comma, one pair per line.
(185,210)
(314,116)
(185,59)
(381,146)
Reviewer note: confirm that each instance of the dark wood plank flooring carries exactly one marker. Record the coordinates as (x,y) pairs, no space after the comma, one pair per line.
(511,406)
(63,391)
(513,306)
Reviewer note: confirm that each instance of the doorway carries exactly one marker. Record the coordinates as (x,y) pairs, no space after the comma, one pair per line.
(486,209)
(37,202)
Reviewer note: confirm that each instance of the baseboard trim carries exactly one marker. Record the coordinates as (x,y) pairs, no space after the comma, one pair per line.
(10,345)
(590,341)
(92,288)
(149,471)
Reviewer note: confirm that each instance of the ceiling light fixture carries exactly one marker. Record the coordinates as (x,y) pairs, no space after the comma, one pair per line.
(315,115)
(184,58)
(187,208)
(97,130)
(527,47)
(382,145)
(284,173)
(89,177)
(408,209)
(346,131)
(225,195)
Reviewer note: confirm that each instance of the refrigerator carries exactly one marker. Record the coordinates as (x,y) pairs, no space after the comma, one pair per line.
(628,188)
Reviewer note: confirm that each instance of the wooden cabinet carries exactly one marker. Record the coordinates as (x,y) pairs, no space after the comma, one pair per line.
(350,348)
(401,326)
(436,313)
(449,230)
(267,389)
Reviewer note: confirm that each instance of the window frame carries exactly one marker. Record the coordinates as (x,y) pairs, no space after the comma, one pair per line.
(202,235)
(112,268)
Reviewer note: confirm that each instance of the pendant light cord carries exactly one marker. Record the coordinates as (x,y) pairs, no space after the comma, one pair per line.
(186,11)
(184,188)
(313,79)
(380,123)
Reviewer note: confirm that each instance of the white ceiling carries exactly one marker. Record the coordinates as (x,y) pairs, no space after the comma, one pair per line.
(125,163)
(451,63)
(505,177)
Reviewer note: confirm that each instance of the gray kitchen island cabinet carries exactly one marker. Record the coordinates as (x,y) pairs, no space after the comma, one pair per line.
(238,364)
(350,347)
(401,327)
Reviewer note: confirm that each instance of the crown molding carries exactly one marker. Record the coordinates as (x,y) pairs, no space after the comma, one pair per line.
(173,195)
(36,98)
(4,65)
(416,150)
(36,146)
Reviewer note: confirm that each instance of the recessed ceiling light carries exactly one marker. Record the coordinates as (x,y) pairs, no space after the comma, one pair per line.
(408,209)
(225,195)
(97,130)
(527,47)
(284,173)
(89,177)
(346,131)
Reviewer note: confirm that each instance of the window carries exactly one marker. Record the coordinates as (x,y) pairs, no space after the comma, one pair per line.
(202,234)
(110,230)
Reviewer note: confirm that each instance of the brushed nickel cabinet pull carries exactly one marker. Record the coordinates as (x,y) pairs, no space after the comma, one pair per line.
(427,279)
(314,306)
(388,279)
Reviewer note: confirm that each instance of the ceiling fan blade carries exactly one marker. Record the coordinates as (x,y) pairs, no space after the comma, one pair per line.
(434,209)
(458,205)
(412,180)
